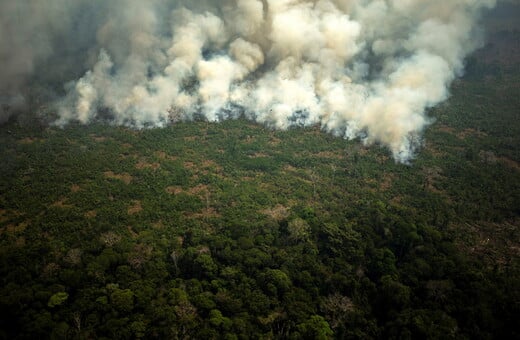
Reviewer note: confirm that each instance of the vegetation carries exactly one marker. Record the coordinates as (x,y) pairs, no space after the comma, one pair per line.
(234,231)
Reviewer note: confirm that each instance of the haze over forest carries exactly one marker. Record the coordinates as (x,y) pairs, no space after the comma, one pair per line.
(367,69)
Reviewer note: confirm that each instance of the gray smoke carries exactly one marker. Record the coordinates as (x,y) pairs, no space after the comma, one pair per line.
(357,68)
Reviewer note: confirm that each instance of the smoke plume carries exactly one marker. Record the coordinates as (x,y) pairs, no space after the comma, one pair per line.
(358,68)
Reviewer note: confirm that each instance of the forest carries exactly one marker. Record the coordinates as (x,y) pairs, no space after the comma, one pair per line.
(235,231)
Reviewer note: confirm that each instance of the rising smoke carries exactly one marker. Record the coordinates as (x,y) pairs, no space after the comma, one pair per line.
(358,68)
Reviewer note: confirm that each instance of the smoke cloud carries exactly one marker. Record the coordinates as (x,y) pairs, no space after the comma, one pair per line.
(358,68)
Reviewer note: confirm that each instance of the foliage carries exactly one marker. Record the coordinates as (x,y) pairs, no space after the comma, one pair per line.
(232,230)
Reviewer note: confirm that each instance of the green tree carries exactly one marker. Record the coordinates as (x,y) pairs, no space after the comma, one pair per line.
(57,299)
(122,300)
(316,327)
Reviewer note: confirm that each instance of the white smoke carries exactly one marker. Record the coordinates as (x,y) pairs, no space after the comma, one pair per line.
(357,68)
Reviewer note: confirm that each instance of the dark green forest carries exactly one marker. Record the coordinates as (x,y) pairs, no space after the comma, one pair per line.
(236,231)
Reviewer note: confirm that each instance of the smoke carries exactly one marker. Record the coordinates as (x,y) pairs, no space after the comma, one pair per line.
(358,68)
